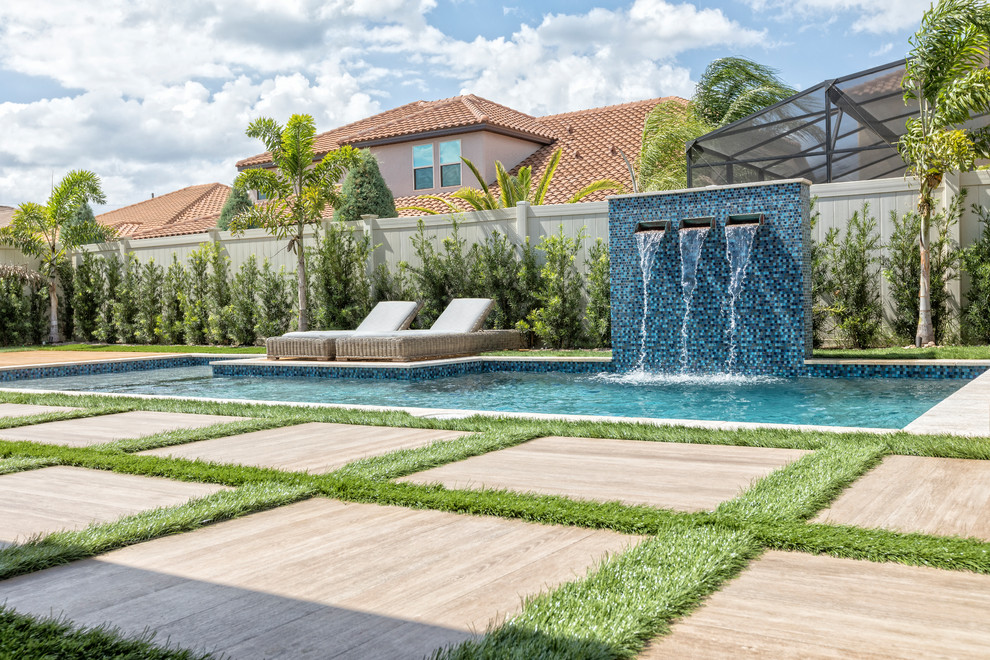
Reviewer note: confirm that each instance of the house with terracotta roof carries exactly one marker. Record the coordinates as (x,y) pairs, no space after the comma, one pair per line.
(419,145)
(191,210)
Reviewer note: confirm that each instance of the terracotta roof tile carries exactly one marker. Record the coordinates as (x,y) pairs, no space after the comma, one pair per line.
(190,210)
(6,213)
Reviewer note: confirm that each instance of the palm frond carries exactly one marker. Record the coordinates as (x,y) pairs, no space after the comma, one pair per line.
(477,199)
(727,79)
(601,184)
(544,185)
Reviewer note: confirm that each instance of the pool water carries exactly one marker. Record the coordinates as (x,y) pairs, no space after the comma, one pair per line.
(864,402)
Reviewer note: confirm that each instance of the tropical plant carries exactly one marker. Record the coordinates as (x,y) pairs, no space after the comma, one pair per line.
(238,202)
(217,294)
(242,313)
(125,300)
(51,231)
(598,314)
(497,276)
(18,287)
(387,285)
(946,75)
(151,277)
(111,270)
(170,326)
(339,283)
(365,191)
(557,321)
(193,301)
(296,191)
(730,88)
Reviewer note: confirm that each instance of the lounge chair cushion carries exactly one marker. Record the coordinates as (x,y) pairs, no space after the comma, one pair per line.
(387,316)
(464,315)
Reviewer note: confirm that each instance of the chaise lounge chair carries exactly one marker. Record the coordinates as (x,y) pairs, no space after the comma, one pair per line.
(321,344)
(457,332)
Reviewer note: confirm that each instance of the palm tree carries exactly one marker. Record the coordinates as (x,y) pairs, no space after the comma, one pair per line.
(50,232)
(946,74)
(730,88)
(296,192)
(512,189)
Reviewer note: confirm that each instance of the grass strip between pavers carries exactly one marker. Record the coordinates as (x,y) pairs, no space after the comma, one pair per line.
(608,614)
(22,463)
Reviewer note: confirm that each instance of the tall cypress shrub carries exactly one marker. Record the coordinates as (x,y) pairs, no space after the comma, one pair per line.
(338,278)
(87,296)
(365,191)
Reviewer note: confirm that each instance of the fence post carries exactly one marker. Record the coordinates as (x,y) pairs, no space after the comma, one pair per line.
(522,221)
(372,229)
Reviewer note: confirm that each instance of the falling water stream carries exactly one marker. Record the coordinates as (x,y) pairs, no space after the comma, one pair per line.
(691,242)
(738,247)
(648,243)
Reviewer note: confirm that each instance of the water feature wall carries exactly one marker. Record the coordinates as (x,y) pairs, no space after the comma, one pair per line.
(712,296)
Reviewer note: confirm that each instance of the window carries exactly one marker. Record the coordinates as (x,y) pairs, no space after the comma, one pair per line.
(422,166)
(450,163)
(260,195)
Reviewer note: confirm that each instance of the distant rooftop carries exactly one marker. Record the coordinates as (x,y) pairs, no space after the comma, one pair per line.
(191,210)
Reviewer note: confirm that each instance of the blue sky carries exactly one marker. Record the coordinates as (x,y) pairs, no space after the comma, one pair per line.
(155,96)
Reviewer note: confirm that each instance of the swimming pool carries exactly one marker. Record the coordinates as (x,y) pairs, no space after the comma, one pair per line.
(864,402)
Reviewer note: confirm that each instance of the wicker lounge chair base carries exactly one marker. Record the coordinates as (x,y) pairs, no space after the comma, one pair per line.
(426,346)
(301,347)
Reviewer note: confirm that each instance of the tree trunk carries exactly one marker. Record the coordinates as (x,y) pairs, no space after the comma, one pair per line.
(301,276)
(53,337)
(926,331)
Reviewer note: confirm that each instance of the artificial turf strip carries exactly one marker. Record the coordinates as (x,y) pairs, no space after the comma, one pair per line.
(140,348)
(63,547)
(800,489)
(184,436)
(898,353)
(623,603)
(22,463)
(938,446)
(25,637)
(58,416)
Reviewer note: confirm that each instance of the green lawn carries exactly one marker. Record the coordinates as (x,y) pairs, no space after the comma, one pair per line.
(609,613)
(138,348)
(897,353)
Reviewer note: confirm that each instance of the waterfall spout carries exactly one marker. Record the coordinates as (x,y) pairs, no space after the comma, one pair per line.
(648,243)
(691,242)
(738,247)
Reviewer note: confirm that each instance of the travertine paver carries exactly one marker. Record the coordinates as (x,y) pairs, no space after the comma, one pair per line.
(678,476)
(319,579)
(104,428)
(966,412)
(792,605)
(55,498)
(314,447)
(26,358)
(25,409)
(949,496)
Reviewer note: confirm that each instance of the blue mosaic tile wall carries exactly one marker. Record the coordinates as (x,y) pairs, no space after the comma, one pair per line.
(773,334)
(58,370)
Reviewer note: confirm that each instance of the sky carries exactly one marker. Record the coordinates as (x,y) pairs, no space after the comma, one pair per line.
(155,96)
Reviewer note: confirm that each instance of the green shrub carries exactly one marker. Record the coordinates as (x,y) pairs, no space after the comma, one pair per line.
(976,262)
(387,285)
(822,286)
(443,274)
(275,301)
(16,326)
(149,303)
(598,315)
(217,294)
(237,203)
(497,268)
(242,313)
(338,278)
(125,302)
(365,192)
(170,326)
(111,268)
(557,322)
(855,273)
(87,296)
(193,299)
(66,298)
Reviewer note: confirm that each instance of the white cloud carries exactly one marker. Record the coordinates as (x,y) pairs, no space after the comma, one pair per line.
(873,16)
(882,50)
(168,88)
